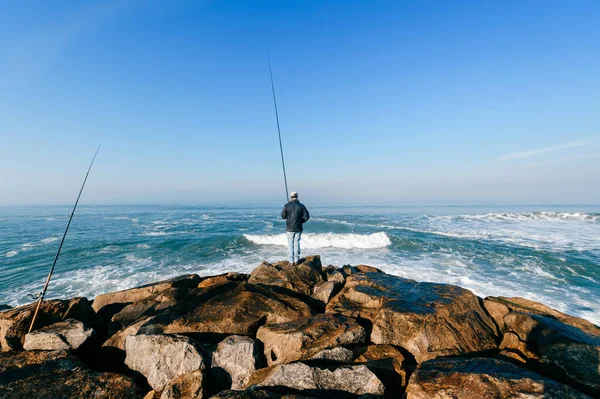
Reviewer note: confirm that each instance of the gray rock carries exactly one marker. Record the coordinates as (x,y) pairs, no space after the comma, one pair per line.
(358,380)
(304,338)
(161,358)
(187,386)
(300,278)
(325,291)
(476,378)
(239,356)
(68,334)
(341,355)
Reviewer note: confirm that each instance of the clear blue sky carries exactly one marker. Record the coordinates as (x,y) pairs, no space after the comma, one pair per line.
(380,101)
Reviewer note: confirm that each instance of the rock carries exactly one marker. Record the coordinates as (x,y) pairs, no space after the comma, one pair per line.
(300,278)
(150,305)
(497,311)
(143,292)
(338,355)
(5,307)
(57,374)
(239,356)
(152,395)
(357,380)
(350,270)
(14,323)
(334,274)
(304,338)
(223,278)
(187,386)
(325,291)
(560,350)
(231,308)
(477,378)
(117,340)
(68,334)
(427,319)
(529,306)
(388,364)
(263,394)
(161,358)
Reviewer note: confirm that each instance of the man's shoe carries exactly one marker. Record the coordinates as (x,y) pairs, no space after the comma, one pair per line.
(293,263)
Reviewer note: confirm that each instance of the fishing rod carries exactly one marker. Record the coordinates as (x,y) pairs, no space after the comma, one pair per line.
(278,129)
(43,293)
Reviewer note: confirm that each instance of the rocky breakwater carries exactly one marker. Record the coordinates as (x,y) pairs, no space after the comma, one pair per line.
(297,332)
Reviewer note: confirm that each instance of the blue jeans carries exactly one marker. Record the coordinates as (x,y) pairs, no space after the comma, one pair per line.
(294,245)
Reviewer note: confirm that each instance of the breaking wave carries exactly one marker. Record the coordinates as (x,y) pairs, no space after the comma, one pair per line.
(329,240)
(529,216)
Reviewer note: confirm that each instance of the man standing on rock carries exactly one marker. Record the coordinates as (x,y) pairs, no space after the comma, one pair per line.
(295,215)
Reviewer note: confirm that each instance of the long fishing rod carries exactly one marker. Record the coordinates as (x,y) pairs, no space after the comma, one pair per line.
(43,293)
(278,129)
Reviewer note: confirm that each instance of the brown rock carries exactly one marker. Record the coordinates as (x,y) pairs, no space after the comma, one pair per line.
(334,274)
(388,364)
(150,305)
(231,308)
(57,374)
(327,290)
(497,310)
(261,394)
(14,323)
(350,270)
(223,278)
(358,380)
(529,306)
(427,319)
(304,338)
(338,355)
(117,340)
(480,378)
(300,278)
(145,291)
(560,350)
(187,386)
(152,395)
(68,334)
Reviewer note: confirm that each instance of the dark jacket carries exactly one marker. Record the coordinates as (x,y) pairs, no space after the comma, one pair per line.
(295,215)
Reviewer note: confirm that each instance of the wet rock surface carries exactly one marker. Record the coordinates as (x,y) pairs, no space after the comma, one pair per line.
(482,378)
(427,319)
(297,332)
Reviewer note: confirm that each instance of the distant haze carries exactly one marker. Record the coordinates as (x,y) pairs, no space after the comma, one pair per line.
(380,102)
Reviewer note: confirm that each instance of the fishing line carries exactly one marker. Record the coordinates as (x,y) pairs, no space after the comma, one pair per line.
(278,130)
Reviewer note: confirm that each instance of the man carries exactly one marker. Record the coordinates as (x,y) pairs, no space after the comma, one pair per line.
(295,215)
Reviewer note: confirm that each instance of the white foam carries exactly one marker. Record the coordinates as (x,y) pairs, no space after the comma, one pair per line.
(528,216)
(156,233)
(48,240)
(10,254)
(110,249)
(143,246)
(329,240)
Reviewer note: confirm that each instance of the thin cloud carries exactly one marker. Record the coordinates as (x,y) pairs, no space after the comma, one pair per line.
(573,158)
(537,151)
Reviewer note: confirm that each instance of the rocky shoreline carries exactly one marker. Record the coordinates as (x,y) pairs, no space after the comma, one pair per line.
(297,332)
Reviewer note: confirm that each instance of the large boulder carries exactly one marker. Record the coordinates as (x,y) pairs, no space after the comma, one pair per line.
(231,308)
(358,380)
(239,356)
(557,349)
(325,291)
(304,338)
(388,364)
(161,358)
(498,307)
(68,334)
(300,278)
(478,378)
(187,386)
(14,323)
(265,394)
(140,293)
(57,374)
(427,319)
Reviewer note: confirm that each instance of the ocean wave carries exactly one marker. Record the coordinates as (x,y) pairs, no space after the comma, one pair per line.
(526,216)
(48,240)
(10,254)
(329,240)
(156,233)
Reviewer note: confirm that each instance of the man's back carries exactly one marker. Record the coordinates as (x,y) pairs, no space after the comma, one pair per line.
(295,215)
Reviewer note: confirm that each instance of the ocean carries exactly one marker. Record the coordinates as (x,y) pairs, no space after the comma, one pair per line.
(549,254)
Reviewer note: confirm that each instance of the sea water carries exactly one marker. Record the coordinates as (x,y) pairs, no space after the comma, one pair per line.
(547,254)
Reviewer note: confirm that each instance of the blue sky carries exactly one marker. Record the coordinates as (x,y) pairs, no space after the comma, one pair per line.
(380,101)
